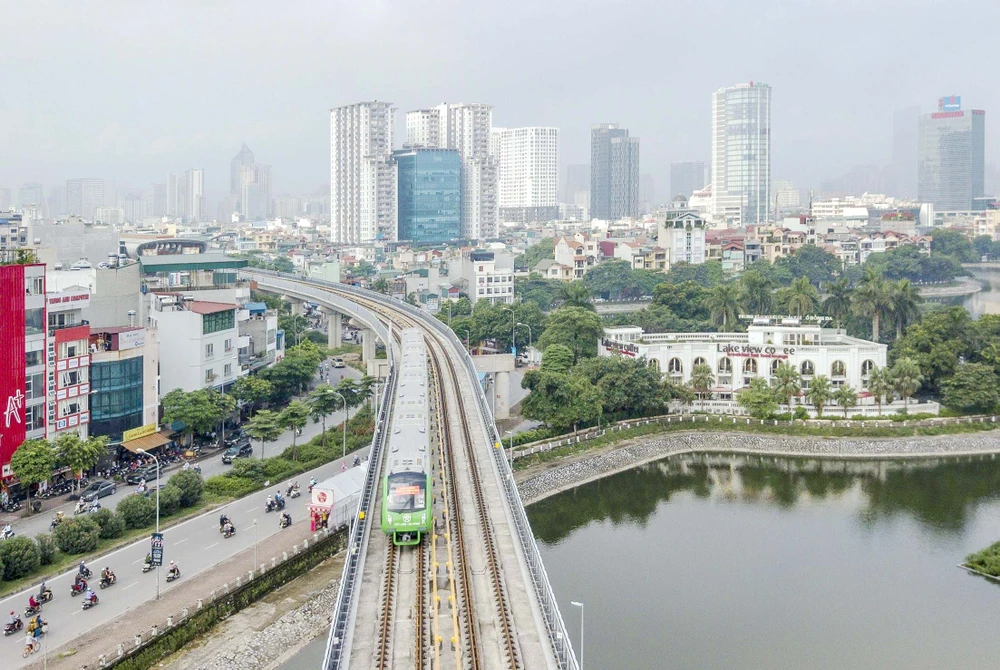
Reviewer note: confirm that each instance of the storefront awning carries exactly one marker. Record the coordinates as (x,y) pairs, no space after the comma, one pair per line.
(146,442)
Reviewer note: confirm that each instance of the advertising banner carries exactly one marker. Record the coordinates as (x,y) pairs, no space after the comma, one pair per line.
(156,549)
(11,360)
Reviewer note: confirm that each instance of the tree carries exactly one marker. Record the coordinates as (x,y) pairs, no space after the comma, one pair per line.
(819,393)
(906,379)
(846,397)
(871,300)
(557,358)
(759,399)
(561,401)
(79,454)
(79,536)
(293,373)
(812,262)
(612,279)
(575,327)
(190,484)
(723,301)
(323,402)
(942,339)
(786,383)
(575,294)
(33,462)
(904,304)
(702,378)
(880,386)
(199,411)
(252,391)
(756,292)
(381,285)
(136,511)
(112,524)
(295,417)
(953,243)
(974,388)
(686,299)
(837,303)
(295,327)
(282,264)
(627,386)
(543,249)
(264,426)
(536,289)
(46,548)
(799,298)
(19,557)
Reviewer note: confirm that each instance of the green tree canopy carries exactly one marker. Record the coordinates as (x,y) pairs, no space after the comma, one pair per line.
(974,388)
(544,248)
(939,341)
(845,397)
(706,274)
(837,303)
(686,299)
(723,303)
(880,385)
(953,243)
(562,401)
(557,358)
(534,288)
(575,294)
(786,383)
(252,390)
(575,327)
(799,298)
(627,386)
(264,426)
(757,291)
(33,462)
(79,454)
(323,401)
(820,393)
(702,379)
(294,417)
(759,399)
(906,378)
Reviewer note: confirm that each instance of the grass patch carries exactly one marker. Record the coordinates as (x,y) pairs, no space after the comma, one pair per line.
(986,560)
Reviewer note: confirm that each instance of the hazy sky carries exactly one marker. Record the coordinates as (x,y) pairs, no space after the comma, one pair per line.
(130,91)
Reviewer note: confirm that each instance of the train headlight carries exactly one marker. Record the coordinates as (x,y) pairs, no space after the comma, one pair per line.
(388,518)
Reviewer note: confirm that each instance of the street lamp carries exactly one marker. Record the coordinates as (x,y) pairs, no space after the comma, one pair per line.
(529,332)
(255,564)
(468,340)
(157,461)
(513,333)
(510,459)
(580,605)
(345,421)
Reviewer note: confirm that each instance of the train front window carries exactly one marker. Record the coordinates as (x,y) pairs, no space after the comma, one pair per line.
(407,492)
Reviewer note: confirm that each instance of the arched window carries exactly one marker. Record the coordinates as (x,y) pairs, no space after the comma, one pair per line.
(674,367)
(838,369)
(655,364)
(750,366)
(725,366)
(807,369)
(700,361)
(774,366)
(866,368)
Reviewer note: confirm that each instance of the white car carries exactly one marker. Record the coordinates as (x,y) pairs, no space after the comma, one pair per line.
(338,362)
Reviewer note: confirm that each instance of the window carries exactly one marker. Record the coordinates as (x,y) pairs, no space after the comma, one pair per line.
(213,323)
(750,366)
(72,350)
(675,367)
(34,417)
(34,386)
(72,377)
(655,364)
(32,358)
(35,285)
(774,366)
(866,368)
(229,346)
(227,371)
(838,369)
(700,361)
(209,350)
(33,323)
(725,365)
(807,369)
(209,376)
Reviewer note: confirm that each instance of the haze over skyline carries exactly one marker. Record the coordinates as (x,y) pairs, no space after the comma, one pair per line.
(129,93)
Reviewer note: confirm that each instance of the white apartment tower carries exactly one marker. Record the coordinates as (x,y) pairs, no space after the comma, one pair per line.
(528,173)
(196,205)
(464,127)
(362,173)
(741,154)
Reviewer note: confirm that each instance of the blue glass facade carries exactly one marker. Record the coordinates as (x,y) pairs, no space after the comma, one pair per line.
(116,397)
(429,192)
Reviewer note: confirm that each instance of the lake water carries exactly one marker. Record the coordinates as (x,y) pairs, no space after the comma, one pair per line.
(986,301)
(713,562)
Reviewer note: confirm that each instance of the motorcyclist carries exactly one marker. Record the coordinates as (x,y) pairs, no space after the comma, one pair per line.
(286,518)
(270,502)
(90,596)
(173,569)
(81,505)
(187,466)
(312,483)
(107,575)
(39,629)
(223,520)
(42,589)
(80,582)
(7,530)
(13,619)
(278,500)
(228,528)
(357,461)
(32,603)
(83,568)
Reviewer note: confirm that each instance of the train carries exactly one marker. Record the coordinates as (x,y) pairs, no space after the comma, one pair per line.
(407,497)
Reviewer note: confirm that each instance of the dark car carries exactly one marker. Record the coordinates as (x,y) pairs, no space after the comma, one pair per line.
(239,451)
(99,490)
(236,439)
(146,474)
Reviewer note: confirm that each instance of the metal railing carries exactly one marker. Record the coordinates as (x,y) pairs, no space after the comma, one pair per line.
(555,626)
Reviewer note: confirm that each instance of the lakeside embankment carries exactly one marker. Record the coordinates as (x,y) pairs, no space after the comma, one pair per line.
(544,479)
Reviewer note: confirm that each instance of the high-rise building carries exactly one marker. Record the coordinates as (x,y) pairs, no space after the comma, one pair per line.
(244,157)
(466,128)
(786,196)
(429,186)
(362,173)
(255,191)
(904,152)
(614,172)
(133,206)
(741,154)
(576,188)
(159,202)
(55,201)
(686,177)
(4,199)
(30,194)
(527,173)
(196,207)
(951,158)
(175,196)
(84,196)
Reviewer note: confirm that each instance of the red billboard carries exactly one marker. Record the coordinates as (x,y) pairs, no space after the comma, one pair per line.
(11,360)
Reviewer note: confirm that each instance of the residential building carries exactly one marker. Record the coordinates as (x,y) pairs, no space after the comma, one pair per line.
(614,173)
(429,194)
(13,231)
(176,199)
(579,252)
(528,173)
(255,192)
(466,128)
(28,195)
(686,177)
(68,362)
(682,235)
(124,369)
(212,277)
(84,196)
(553,269)
(488,276)
(109,216)
(199,338)
(5,204)
(196,206)
(741,154)
(786,196)
(362,173)
(266,344)
(115,291)
(951,158)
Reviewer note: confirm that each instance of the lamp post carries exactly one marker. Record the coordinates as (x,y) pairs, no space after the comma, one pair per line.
(510,458)
(345,422)
(157,461)
(513,329)
(255,564)
(529,332)
(468,340)
(580,605)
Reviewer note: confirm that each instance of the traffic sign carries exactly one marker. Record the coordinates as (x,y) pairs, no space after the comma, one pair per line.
(156,549)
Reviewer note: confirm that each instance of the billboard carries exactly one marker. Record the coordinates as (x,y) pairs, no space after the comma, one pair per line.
(950,103)
(130,339)
(11,360)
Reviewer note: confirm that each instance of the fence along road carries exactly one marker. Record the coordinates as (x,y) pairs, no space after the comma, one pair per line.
(541,632)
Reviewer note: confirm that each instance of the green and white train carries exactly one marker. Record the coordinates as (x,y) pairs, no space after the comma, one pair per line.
(407,499)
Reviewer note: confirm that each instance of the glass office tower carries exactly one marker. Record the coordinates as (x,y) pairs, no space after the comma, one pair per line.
(951,156)
(429,191)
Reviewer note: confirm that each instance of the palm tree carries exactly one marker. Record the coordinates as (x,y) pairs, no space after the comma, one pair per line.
(906,379)
(786,383)
(904,304)
(723,301)
(880,386)
(381,285)
(846,397)
(756,292)
(819,393)
(702,380)
(837,303)
(575,294)
(800,297)
(871,300)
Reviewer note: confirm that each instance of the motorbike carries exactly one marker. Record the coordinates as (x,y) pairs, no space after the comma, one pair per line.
(222,523)
(106,582)
(56,520)
(285,522)
(174,574)
(293,493)
(6,533)
(11,628)
(229,532)
(146,567)
(87,574)
(76,589)
(274,505)
(12,506)
(87,604)
(45,596)
(30,611)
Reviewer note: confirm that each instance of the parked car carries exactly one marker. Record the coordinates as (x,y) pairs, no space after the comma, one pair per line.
(99,490)
(236,439)
(338,362)
(146,474)
(244,450)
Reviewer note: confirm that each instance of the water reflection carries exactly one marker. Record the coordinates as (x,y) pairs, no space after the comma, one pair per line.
(986,301)
(938,494)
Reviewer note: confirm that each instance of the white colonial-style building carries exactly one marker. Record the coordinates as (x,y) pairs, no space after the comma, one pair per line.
(737,358)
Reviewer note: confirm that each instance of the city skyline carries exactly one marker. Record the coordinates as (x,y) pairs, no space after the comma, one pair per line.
(213,96)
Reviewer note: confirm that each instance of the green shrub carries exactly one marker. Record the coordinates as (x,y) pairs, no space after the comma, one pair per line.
(231,487)
(987,560)
(137,511)
(19,556)
(249,468)
(532,435)
(801,413)
(191,486)
(112,525)
(170,500)
(46,548)
(77,536)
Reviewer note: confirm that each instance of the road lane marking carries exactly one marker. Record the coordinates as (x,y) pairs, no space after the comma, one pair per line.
(211,545)
(179,541)
(124,588)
